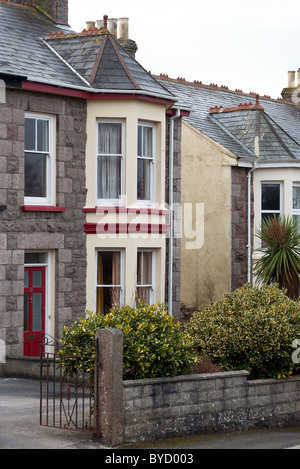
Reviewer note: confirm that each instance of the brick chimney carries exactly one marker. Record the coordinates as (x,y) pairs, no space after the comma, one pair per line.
(57,9)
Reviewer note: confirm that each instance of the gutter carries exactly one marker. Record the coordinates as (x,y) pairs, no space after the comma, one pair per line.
(171,202)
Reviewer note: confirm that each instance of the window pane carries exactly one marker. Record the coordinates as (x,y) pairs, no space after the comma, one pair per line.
(26,312)
(30,134)
(26,279)
(37,278)
(110,139)
(144,179)
(109,177)
(35,175)
(296,197)
(145,141)
(37,309)
(35,258)
(144,294)
(109,268)
(296,219)
(42,135)
(270,197)
(108,273)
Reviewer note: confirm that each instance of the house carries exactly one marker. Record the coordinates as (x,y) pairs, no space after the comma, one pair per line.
(240,163)
(85,139)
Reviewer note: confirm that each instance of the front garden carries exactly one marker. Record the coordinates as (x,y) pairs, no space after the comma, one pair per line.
(251,329)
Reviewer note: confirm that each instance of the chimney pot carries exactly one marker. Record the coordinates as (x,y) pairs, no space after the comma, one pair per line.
(90,25)
(124,28)
(113,26)
(291,78)
(100,24)
(298,77)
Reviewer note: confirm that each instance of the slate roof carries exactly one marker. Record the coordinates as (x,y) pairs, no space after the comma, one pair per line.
(22,52)
(31,45)
(277,123)
(103,62)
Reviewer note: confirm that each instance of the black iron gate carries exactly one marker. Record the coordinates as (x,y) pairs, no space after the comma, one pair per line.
(67,386)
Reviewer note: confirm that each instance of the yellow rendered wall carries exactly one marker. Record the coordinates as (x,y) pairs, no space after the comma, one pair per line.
(206,181)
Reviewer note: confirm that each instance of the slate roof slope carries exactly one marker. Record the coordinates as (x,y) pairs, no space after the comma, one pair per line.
(105,64)
(22,51)
(279,121)
(31,45)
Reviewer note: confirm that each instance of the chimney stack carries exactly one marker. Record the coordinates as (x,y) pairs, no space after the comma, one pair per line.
(57,9)
(293,84)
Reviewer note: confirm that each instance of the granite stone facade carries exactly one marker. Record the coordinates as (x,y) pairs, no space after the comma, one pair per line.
(58,232)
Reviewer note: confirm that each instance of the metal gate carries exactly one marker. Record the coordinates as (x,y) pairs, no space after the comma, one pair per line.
(67,386)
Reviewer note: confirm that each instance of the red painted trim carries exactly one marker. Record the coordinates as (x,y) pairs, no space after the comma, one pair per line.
(72,92)
(135,211)
(118,228)
(172,112)
(42,208)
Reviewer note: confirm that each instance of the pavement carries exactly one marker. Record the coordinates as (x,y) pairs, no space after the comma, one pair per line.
(20,429)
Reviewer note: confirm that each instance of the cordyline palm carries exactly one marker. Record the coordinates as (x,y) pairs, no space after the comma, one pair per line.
(280,249)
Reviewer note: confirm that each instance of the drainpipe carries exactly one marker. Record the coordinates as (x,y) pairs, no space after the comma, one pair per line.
(249,245)
(171,201)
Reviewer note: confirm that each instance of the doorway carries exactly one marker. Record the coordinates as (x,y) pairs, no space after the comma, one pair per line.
(34,309)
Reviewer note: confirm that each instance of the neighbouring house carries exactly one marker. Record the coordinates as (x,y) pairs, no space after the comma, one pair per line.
(86,135)
(240,163)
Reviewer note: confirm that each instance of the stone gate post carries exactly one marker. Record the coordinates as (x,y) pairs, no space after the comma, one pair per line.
(108,416)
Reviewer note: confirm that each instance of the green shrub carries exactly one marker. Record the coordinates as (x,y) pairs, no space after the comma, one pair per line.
(252,328)
(155,345)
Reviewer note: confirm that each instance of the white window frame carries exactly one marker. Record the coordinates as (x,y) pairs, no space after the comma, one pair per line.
(152,285)
(279,212)
(151,159)
(122,273)
(120,200)
(49,198)
(295,211)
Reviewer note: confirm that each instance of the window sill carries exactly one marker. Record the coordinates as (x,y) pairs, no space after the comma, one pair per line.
(42,208)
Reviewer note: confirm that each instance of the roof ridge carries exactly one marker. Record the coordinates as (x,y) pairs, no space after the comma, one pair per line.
(97,61)
(214,86)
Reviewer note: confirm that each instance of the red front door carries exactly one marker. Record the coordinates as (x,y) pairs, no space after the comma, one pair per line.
(34,310)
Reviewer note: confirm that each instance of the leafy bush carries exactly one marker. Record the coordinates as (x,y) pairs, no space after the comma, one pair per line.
(252,328)
(155,345)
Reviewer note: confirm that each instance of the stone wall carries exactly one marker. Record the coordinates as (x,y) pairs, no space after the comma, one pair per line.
(239,224)
(199,404)
(60,232)
(177,203)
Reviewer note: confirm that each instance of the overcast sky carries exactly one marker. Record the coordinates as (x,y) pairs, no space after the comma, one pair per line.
(249,45)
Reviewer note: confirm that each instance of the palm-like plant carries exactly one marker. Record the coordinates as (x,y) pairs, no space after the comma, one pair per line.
(280,249)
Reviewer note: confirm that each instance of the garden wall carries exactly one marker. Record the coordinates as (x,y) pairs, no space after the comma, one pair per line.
(207,403)
(144,410)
